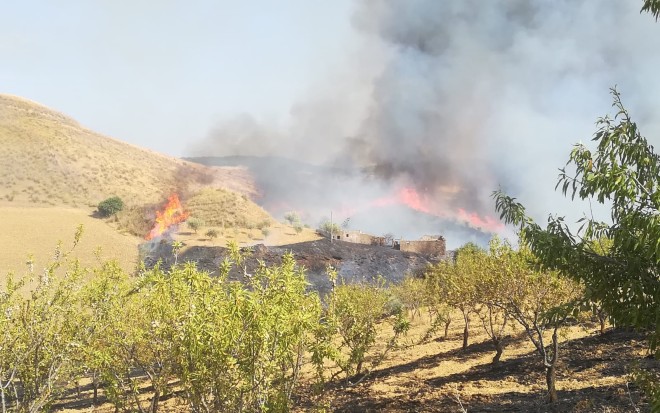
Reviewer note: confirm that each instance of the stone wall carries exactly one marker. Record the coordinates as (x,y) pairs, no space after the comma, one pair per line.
(430,248)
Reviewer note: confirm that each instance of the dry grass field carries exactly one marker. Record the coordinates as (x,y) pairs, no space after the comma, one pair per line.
(37,230)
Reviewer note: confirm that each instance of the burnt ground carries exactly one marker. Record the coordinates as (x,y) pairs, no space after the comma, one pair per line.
(353,262)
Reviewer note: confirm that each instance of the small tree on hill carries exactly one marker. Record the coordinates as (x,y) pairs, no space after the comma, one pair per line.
(212,234)
(292,218)
(110,206)
(195,224)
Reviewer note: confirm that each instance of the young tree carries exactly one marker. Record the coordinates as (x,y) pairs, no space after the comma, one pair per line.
(110,206)
(623,170)
(292,218)
(539,301)
(194,223)
(491,286)
(212,234)
(455,283)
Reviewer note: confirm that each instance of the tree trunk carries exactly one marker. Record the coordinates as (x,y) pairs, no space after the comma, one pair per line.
(447,328)
(499,348)
(602,317)
(154,402)
(550,381)
(95,399)
(466,333)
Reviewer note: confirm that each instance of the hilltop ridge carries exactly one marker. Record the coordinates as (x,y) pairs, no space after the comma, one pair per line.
(49,159)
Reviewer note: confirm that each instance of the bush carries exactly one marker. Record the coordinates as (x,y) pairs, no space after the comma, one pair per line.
(194,223)
(212,233)
(326,227)
(292,218)
(110,206)
(351,319)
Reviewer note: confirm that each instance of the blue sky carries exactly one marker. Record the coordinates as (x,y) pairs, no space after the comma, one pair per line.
(159,74)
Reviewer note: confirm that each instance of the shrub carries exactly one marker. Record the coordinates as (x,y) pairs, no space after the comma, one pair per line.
(326,227)
(110,206)
(212,233)
(292,218)
(351,318)
(194,224)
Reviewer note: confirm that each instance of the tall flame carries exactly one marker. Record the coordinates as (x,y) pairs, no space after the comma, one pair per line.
(172,214)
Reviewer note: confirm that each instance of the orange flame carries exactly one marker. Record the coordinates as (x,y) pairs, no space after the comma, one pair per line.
(172,214)
(420,202)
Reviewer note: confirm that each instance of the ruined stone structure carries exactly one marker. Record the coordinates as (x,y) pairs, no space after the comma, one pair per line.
(428,246)
(359,237)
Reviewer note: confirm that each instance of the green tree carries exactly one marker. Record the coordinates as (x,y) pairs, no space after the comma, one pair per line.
(194,223)
(539,301)
(455,283)
(110,206)
(212,234)
(623,171)
(328,228)
(491,285)
(292,218)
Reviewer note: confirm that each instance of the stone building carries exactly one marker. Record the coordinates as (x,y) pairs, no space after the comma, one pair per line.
(431,246)
(359,237)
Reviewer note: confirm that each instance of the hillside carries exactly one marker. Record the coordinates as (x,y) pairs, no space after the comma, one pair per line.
(50,159)
(54,171)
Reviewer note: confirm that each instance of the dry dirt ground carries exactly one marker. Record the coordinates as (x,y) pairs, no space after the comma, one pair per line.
(438,376)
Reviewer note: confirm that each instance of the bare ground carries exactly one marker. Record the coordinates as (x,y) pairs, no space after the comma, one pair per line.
(439,376)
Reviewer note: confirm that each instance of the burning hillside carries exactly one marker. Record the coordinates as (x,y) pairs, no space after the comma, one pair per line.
(373,205)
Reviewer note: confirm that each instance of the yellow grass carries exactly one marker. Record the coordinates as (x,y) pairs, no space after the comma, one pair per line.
(37,231)
(51,160)
(279,234)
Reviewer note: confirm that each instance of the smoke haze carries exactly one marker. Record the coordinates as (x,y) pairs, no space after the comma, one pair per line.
(451,99)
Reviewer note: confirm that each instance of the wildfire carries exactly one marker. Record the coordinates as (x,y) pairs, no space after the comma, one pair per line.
(420,202)
(172,214)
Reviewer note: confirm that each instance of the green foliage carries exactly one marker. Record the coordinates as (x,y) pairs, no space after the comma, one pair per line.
(623,170)
(212,234)
(194,224)
(265,224)
(350,319)
(326,227)
(653,7)
(110,206)
(455,284)
(298,228)
(229,346)
(292,218)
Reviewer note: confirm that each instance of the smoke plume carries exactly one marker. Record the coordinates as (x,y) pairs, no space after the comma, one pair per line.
(451,99)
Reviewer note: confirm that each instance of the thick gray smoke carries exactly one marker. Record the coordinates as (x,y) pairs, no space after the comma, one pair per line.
(455,98)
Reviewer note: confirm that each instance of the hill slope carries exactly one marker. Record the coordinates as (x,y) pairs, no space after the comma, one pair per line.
(50,159)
